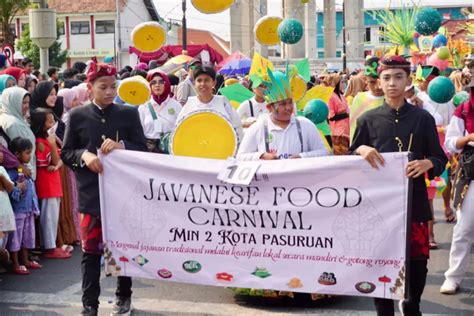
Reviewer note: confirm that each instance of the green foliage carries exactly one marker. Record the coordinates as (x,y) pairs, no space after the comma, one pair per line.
(57,57)
(8,9)
(398,25)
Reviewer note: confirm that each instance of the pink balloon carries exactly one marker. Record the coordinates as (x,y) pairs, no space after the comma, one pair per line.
(433,60)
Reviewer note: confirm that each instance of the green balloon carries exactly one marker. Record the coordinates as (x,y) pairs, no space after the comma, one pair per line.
(460,98)
(290,31)
(316,111)
(427,21)
(441,89)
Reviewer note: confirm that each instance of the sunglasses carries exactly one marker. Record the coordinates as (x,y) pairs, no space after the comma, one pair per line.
(159,81)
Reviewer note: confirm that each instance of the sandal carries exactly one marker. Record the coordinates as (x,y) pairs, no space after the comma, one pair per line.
(33,265)
(21,270)
(57,254)
(450,217)
(433,244)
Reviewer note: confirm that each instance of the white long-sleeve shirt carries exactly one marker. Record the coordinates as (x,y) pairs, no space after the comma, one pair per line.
(218,103)
(285,142)
(455,130)
(258,109)
(445,110)
(166,113)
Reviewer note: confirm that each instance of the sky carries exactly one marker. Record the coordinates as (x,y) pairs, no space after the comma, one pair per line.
(219,23)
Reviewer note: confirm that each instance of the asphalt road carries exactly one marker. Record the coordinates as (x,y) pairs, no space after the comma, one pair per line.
(56,290)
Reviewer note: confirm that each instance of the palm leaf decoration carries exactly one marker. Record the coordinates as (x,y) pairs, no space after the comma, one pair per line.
(399,25)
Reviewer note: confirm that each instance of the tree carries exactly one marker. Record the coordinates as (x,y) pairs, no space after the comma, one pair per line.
(8,10)
(57,56)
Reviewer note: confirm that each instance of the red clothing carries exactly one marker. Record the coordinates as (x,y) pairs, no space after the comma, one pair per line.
(338,105)
(48,184)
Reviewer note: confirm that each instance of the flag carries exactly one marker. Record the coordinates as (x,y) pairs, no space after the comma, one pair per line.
(236,93)
(303,69)
(259,66)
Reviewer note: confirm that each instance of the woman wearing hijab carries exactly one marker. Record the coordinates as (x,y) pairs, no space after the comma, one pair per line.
(18,73)
(45,96)
(6,81)
(15,102)
(82,94)
(159,114)
(31,83)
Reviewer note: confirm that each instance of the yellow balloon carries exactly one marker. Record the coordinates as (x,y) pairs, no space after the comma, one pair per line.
(148,36)
(134,90)
(212,6)
(298,87)
(205,134)
(266,30)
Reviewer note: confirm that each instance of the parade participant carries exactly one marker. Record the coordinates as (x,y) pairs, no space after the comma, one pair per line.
(25,207)
(158,115)
(6,81)
(185,88)
(30,84)
(82,94)
(15,102)
(3,61)
(338,115)
(355,85)
(371,99)
(70,101)
(460,140)
(251,109)
(445,110)
(53,74)
(204,81)
(106,126)
(27,65)
(48,181)
(18,74)
(399,126)
(281,135)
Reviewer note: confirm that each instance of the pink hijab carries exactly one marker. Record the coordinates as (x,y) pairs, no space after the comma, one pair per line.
(68,96)
(82,94)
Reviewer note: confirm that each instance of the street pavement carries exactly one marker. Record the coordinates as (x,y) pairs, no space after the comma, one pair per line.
(56,290)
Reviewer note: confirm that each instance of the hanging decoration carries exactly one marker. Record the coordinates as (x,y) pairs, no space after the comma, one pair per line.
(266,30)
(148,37)
(211,7)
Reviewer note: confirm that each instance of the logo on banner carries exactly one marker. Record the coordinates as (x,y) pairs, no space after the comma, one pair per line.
(426,44)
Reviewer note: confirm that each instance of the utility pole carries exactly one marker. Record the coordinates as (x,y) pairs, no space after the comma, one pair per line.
(184,30)
(118,57)
(344,51)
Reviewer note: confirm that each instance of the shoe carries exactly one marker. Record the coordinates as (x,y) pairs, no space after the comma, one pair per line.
(57,254)
(89,311)
(449,287)
(122,306)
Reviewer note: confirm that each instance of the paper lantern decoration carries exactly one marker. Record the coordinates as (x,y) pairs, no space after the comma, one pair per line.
(134,90)
(211,7)
(316,111)
(460,97)
(440,40)
(266,30)
(427,21)
(290,31)
(297,87)
(443,53)
(148,37)
(441,89)
(433,60)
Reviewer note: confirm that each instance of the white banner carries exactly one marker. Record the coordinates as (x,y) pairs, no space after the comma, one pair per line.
(329,225)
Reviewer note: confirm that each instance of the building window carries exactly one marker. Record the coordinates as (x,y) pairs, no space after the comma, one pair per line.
(105,27)
(338,53)
(80,27)
(13,29)
(61,31)
(368,38)
(24,27)
(381,37)
(320,55)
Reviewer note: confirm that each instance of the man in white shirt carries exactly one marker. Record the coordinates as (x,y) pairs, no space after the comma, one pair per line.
(250,110)
(185,88)
(281,135)
(204,81)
